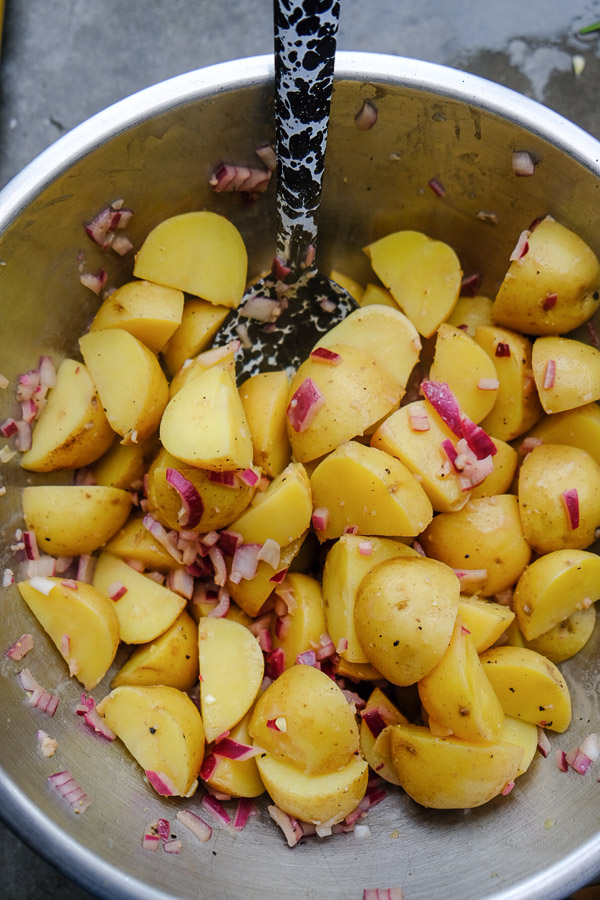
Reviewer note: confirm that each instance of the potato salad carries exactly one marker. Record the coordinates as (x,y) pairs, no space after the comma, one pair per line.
(360,575)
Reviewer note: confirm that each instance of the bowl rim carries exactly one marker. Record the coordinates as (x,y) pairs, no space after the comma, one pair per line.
(18,812)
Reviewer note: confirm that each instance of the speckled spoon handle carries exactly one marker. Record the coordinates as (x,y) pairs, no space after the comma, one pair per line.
(305,42)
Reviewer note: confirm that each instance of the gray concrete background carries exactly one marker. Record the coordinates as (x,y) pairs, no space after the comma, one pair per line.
(63,60)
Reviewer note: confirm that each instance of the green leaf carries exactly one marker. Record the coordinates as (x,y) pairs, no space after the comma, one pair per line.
(590,28)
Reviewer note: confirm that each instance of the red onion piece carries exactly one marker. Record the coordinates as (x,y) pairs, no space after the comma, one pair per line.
(116,590)
(304,405)
(276,663)
(550,374)
(437,188)
(306,658)
(374,721)
(70,791)
(244,562)
(181,582)
(578,761)
(121,244)
(95,281)
(192,506)
(329,357)
(366,117)
(341,645)
(507,788)
(470,577)
(265,638)
(320,518)
(229,541)
(166,539)
(262,309)
(291,828)
(523,163)
(21,647)
(502,349)
(452,453)
(477,439)
(230,749)
(570,499)
(560,758)
(163,827)
(521,247)
(150,841)
(249,477)
(445,404)
(266,153)
(351,529)
(8,427)
(208,767)
(244,809)
(161,783)
(365,548)
(38,696)
(470,285)
(328,305)
(395,893)
(195,824)
(419,420)
(228,177)
(488,384)
(270,552)
(87,710)
(222,607)
(326,647)
(31,547)
(172,846)
(227,479)
(549,302)
(211,805)
(590,746)
(278,577)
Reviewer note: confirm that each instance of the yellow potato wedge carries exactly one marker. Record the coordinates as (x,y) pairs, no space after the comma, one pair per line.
(303,718)
(523,734)
(132,387)
(264,398)
(550,289)
(134,542)
(171,659)
(421,452)
(302,627)
(449,773)
(553,587)
(71,519)
(282,512)
(470,312)
(366,488)
(528,686)
(374,743)
(485,620)
(231,672)
(466,368)
(72,429)
(201,253)
(378,295)
(146,609)
(81,622)
(458,695)
(204,423)
(500,480)
(124,465)
(238,778)
(422,274)
(323,799)
(200,322)
(567,638)
(150,312)
(355,395)
(566,372)
(162,729)
(345,567)
(385,333)
(355,289)
(576,427)
(251,594)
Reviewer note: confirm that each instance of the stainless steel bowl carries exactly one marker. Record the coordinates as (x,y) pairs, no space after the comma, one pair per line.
(156,150)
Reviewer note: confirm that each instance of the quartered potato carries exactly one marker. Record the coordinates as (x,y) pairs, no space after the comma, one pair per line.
(303,625)
(468,371)
(150,312)
(566,372)
(200,321)
(171,659)
(265,399)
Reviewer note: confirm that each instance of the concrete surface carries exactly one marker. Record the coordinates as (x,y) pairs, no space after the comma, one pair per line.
(63,60)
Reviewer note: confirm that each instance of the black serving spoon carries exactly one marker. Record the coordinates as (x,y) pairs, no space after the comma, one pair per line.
(302,303)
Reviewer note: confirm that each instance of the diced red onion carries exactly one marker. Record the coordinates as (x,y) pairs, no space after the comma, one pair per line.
(437,188)
(351,529)
(328,305)
(560,758)
(70,791)
(230,749)
(374,721)
(229,541)
(181,582)
(550,374)
(570,499)
(366,117)
(8,427)
(228,177)
(502,349)
(249,477)
(116,590)
(266,153)
(279,577)
(208,767)
(4,382)
(470,577)
(477,439)
(419,420)
(488,384)
(291,828)
(445,404)
(210,538)
(523,163)
(276,663)
(470,285)
(365,548)
(394,893)
(150,841)
(21,647)
(163,827)
(244,562)
(578,761)
(226,478)
(590,746)
(45,566)
(265,639)
(161,783)
(304,405)
(452,453)
(543,744)
(121,244)
(166,539)
(211,805)
(270,552)
(192,506)
(244,809)
(549,302)
(329,357)
(529,444)
(172,846)
(326,647)
(262,309)
(223,604)
(306,658)
(95,281)
(507,788)
(38,696)
(521,247)
(100,229)
(195,824)
(23,438)
(320,518)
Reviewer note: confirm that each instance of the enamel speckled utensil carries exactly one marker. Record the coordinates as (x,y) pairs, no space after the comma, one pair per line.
(295,303)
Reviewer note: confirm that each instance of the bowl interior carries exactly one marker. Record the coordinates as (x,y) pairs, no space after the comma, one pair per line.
(156,151)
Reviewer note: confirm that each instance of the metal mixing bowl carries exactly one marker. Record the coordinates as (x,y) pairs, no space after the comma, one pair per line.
(156,150)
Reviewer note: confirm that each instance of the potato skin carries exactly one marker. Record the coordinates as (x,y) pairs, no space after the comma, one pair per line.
(404,615)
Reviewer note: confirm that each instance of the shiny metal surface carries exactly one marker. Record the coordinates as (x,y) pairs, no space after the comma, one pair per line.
(156,150)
